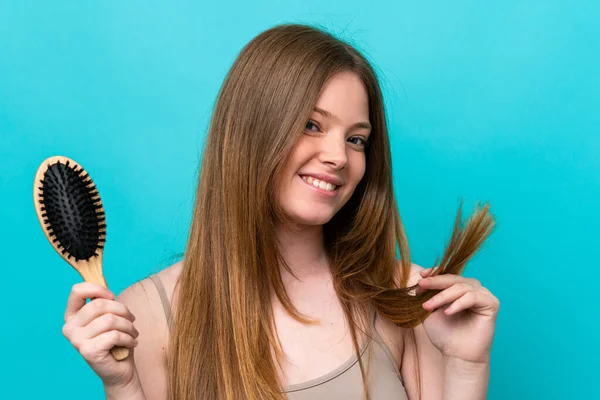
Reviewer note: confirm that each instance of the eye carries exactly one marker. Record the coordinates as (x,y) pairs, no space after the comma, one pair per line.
(313,124)
(360,141)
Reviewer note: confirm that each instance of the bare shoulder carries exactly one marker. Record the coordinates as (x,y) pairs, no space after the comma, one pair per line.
(391,334)
(170,276)
(143,300)
(404,351)
(430,359)
(143,296)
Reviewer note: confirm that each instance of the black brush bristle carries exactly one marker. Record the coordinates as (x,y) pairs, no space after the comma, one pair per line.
(72,211)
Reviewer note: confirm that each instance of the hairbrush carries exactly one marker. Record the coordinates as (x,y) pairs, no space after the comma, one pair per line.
(71,214)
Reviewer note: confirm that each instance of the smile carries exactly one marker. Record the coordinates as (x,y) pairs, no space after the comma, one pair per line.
(320,186)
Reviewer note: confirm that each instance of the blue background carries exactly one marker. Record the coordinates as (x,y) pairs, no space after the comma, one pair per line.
(488,101)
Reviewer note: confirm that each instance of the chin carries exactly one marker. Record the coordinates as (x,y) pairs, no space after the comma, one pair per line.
(312,218)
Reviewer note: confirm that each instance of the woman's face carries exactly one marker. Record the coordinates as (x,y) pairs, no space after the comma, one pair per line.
(329,159)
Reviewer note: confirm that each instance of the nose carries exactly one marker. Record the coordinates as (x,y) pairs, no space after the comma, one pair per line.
(333,151)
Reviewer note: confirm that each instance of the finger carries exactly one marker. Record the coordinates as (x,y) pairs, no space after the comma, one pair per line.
(478,302)
(468,300)
(96,348)
(98,307)
(80,293)
(419,289)
(424,273)
(110,322)
(445,281)
(428,271)
(447,296)
(110,339)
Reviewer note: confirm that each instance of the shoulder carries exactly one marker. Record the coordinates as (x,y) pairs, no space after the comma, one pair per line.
(408,345)
(417,346)
(392,335)
(150,356)
(143,296)
(169,278)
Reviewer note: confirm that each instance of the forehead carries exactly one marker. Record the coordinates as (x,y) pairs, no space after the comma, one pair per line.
(345,96)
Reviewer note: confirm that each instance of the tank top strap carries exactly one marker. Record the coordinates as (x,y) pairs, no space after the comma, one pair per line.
(379,340)
(164,299)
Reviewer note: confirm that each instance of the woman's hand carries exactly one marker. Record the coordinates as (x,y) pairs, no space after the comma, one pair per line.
(463,318)
(98,326)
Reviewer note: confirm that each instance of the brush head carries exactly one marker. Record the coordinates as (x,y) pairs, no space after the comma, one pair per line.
(70,210)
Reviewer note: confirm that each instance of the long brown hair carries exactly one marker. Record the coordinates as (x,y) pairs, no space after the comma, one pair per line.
(224,337)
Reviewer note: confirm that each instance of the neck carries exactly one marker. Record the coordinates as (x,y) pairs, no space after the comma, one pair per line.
(303,249)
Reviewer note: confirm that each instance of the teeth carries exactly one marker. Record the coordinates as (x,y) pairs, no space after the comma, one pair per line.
(319,184)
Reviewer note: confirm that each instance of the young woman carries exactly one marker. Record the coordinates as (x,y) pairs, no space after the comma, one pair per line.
(290,285)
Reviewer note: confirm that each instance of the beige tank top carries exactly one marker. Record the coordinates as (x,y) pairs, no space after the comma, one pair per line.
(344,382)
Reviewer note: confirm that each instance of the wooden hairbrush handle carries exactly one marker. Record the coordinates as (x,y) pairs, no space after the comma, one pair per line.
(93,274)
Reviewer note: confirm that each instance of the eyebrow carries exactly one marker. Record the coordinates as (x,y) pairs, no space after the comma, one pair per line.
(326,113)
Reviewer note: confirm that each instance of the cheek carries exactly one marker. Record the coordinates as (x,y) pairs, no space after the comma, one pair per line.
(358,168)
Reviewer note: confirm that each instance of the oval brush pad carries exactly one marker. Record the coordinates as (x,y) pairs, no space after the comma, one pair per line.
(71,215)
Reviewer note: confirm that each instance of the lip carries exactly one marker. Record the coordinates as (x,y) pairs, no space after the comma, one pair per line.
(331,193)
(325,177)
